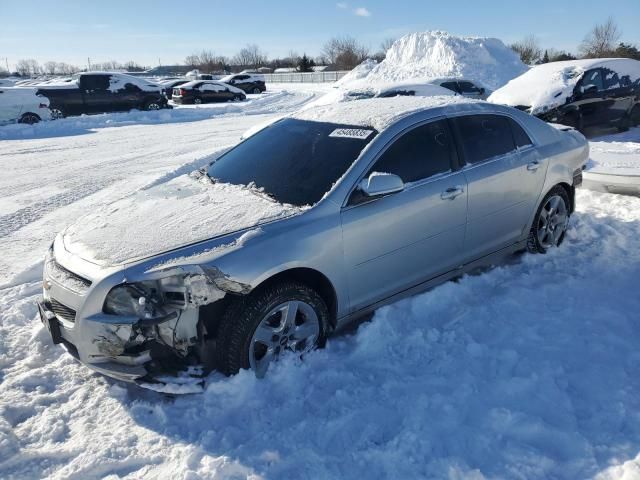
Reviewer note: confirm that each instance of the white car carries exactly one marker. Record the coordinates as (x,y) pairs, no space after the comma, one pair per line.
(23,105)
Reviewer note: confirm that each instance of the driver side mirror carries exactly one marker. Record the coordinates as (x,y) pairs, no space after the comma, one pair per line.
(381,184)
(482,90)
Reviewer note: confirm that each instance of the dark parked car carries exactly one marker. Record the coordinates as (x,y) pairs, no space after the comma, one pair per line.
(169,85)
(463,87)
(247,82)
(99,92)
(602,92)
(206,91)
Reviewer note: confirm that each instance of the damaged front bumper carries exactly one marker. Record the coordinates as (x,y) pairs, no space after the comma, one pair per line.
(156,333)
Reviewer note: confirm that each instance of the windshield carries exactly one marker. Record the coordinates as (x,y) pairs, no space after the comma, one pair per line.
(293,161)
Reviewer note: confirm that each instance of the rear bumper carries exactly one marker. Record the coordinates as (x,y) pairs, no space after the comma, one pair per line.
(608,183)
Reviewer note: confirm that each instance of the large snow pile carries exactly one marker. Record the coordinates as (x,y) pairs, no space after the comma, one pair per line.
(549,85)
(438,54)
(358,73)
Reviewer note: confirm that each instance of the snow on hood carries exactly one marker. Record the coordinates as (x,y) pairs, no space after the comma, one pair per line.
(378,113)
(180,212)
(437,54)
(550,85)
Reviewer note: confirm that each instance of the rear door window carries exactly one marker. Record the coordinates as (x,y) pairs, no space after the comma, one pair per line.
(96,82)
(593,78)
(484,137)
(425,151)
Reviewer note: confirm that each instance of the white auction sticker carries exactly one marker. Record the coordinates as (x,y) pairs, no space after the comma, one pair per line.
(351,133)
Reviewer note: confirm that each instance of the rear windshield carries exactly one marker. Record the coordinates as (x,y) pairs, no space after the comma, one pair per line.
(293,161)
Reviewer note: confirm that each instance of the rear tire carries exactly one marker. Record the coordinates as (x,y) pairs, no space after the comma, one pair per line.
(29,118)
(57,113)
(551,221)
(197,101)
(240,345)
(152,106)
(634,116)
(574,119)
(256,91)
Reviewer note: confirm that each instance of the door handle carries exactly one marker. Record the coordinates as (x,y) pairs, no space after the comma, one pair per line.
(451,193)
(533,166)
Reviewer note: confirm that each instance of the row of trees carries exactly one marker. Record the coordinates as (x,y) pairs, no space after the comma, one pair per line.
(343,53)
(603,41)
(31,68)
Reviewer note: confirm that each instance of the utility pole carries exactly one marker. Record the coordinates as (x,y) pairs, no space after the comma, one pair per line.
(89,63)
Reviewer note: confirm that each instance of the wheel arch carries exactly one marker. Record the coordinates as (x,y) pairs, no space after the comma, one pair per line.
(313,279)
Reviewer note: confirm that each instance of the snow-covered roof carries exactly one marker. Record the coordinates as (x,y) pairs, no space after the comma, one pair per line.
(437,54)
(378,113)
(214,83)
(549,85)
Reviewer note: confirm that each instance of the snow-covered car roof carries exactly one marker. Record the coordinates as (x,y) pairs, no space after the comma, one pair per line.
(193,83)
(549,85)
(378,113)
(256,76)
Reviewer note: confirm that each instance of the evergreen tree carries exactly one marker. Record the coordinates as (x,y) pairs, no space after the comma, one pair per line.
(545,58)
(627,51)
(304,65)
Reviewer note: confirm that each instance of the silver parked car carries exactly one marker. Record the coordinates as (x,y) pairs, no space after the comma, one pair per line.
(311,222)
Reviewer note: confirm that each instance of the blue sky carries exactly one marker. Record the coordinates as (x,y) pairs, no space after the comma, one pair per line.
(146,31)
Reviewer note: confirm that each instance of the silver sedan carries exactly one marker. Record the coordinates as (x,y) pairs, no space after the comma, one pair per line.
(309,223)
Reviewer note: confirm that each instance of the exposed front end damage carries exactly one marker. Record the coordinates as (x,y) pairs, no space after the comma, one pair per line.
(148,331)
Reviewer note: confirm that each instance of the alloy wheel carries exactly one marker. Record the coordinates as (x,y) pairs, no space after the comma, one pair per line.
(552,222)
(291,326)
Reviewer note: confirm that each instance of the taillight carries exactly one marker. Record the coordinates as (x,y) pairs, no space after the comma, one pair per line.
(183,92)
(43,105)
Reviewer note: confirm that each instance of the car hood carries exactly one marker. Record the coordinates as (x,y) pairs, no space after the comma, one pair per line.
(183,211)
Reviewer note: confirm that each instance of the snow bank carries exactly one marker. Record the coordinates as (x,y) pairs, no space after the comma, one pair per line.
(475,379)
(358,73)
(171,215)
(617,154)
(438,54)
(550,85)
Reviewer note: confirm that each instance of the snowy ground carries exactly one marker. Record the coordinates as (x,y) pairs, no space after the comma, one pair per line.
(527,371)
(617,154)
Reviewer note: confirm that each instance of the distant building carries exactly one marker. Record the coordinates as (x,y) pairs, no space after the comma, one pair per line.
(285,70)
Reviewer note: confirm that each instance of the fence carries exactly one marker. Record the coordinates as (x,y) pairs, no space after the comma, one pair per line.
(310,77)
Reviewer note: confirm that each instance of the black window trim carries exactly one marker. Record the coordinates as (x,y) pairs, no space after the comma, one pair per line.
(455,164)
(456,134)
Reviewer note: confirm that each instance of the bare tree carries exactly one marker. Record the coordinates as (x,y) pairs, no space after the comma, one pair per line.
(385,45)
(28,67)
(50,68)
(601,40)
(344,52)
(250,56)
(528,49)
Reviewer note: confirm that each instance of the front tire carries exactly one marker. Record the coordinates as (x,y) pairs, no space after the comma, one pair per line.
(257,329)
(256,91)
(634,116)
(29,118)
(551,221)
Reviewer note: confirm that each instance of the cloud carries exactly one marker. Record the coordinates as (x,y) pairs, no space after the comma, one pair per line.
(362,12)
(342,5)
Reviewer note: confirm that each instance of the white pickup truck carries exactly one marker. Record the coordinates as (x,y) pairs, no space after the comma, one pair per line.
(22,105)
